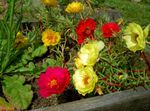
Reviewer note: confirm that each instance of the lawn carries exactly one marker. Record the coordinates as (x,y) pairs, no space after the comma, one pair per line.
(131,11)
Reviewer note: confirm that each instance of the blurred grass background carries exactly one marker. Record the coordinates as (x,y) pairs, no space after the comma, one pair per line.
(132,10)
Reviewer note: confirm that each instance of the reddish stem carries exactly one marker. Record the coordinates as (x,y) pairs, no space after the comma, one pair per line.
(113,84)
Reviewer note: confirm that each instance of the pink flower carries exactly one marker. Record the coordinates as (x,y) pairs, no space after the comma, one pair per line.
(53,81)
(85,29)
(109,29)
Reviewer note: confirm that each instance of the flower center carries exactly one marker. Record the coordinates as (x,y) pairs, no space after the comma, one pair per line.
(52,83)
(88,31)
(134,38)
(85,80)
(51,38)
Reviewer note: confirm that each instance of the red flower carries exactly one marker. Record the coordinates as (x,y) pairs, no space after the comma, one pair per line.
(109,28)
(53,81)
(85,29)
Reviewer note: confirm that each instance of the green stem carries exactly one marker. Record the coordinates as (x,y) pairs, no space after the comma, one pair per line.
(49,18)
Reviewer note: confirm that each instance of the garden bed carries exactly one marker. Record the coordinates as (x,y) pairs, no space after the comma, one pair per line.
(129,100)
(60,55)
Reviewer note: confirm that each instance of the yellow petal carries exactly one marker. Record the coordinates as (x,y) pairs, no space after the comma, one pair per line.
(78,63)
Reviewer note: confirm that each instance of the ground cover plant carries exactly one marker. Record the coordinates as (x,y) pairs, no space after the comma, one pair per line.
(70,47)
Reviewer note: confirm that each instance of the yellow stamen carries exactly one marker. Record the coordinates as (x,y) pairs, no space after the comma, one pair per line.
(52,83)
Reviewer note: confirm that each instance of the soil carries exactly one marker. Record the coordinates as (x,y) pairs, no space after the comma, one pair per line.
(39,102)
(42,102)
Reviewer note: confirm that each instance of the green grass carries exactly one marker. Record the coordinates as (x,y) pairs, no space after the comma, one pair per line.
(132,12)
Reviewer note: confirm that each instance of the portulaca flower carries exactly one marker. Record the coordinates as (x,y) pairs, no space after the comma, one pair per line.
(84,80)
(88,54)
(135,37)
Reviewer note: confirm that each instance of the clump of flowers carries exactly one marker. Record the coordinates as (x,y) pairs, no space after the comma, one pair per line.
(53,81)
(50,37)
(85,29)
(51,3)
(20,40)
(135,36)
(84,59)
(74,7)
(84,80)
(109,29)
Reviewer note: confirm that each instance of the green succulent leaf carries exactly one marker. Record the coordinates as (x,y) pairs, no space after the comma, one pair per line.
(39,51)
(26,57)
(18,94)
(147,86)
(51,62)
(31,66)
(5,106)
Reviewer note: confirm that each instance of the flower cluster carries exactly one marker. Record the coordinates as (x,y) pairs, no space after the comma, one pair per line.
(69,47)
(56,79)
(85,75)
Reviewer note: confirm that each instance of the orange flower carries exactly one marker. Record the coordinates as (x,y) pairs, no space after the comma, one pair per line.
(50,37)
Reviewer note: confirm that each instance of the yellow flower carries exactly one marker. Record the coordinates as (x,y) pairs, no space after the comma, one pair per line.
(50,37)
(84,80)
(74,7)
(78,63)
(88,54)
(21,40)
(51,3)
(135,36)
